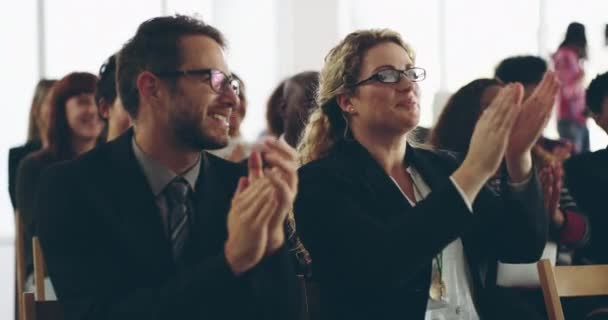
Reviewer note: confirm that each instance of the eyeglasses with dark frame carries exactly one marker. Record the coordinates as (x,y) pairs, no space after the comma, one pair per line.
(218,80)
(389,76)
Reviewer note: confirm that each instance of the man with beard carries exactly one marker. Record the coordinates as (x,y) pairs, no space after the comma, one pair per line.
(148,226)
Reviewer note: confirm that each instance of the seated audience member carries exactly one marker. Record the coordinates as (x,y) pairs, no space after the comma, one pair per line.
(297,103)
(570,226)
(237,149)
(274,118)
(148,226)
(36,133)
(395,231)
(73,129)
(110,106)
(587,176)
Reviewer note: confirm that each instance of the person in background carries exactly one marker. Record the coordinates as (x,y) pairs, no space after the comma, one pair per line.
(587,176)
(568,63)
(110,105)
(274,119)
(297,102)
(36,133)
(237,149)
(73,129)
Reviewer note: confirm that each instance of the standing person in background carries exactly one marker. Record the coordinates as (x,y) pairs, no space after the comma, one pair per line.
(36,133)
(568,62)
(110,105)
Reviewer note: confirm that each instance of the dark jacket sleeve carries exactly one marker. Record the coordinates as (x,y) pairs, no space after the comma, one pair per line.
(81,260)
(337,223)
(275,289)
(587,178)
(515,223)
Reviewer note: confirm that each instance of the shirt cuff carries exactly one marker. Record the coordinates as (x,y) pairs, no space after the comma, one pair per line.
(467,201)
(520,186)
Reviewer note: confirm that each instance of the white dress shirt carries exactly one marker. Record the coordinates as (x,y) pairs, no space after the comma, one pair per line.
(458,303)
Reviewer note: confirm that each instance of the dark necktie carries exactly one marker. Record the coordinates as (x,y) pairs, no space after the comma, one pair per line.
(178,205)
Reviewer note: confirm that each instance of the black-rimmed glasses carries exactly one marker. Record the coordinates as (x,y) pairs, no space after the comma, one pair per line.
(218,81)
(414,74)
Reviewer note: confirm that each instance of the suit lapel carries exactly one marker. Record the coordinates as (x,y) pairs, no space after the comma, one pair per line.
(215,186)
(355,163)
(139,217)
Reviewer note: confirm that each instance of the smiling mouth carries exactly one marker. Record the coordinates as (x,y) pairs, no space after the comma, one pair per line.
(221,118)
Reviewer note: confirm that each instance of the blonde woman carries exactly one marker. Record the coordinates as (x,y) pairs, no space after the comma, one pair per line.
(396,231)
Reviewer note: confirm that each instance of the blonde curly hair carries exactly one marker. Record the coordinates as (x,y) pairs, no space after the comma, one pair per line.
(327,123)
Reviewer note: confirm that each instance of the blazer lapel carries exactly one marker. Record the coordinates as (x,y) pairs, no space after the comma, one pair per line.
(355,163)
(433,172)
(139,217)
(214,188)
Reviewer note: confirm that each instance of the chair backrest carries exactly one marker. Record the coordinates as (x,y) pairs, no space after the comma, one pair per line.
(570,281)
(20,269)
(39,269)
(40,310)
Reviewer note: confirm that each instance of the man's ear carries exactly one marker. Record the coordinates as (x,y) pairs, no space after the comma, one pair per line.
(148,85)
(345,103)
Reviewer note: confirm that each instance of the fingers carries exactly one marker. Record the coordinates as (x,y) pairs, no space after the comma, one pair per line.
(505,108)
(242,184)
(514,107)
(249,198)
(283,192)
(265,212)
(288,169)
(254,165)
(282,148)
(542,99)
(278,154)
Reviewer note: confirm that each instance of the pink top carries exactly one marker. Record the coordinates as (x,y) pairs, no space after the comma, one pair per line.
(572,92)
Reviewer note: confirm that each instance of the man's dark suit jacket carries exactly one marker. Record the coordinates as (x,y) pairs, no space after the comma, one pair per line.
(587,179)
(372,251)
(15,155)
(108,256)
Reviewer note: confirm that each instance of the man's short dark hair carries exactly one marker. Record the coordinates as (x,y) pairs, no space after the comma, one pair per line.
(106,86)
(523,69)
(596,92)
(155,48)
